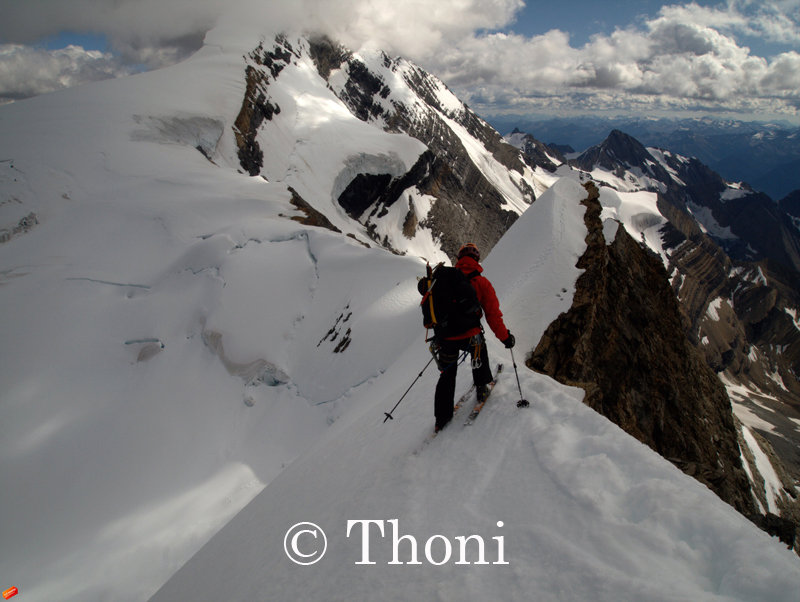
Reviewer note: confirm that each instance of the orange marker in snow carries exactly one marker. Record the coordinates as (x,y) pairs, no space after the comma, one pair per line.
(10,593)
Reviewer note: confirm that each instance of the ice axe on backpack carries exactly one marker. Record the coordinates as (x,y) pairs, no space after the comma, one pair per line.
(522,403)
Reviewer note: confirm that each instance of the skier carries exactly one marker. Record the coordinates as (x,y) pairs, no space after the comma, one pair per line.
(450,347)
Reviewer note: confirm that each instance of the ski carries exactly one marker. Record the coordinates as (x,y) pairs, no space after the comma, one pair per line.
(463,398)
(479,406)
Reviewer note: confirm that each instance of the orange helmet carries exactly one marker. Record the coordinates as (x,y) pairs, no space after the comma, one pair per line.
(469,250)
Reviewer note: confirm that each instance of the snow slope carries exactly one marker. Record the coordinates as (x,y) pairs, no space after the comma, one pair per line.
(125,438)
(583,511)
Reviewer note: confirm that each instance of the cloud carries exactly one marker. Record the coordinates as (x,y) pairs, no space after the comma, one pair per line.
(770,21)
(420,28)
(687,57)
(415,27)
(26,71)
(156,33)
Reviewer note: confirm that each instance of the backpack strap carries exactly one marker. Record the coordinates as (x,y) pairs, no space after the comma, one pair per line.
(473,274)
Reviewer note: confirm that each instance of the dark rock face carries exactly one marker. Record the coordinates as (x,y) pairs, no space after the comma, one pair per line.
(782,528)
(621,151)
(754,338)
(256,106)
(363,191)
(535,153)
(564,149)
(623,341)
(468,207)
(312,216)
(791,204)
(760,224)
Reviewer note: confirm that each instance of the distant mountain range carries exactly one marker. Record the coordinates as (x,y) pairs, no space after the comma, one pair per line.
(766,155)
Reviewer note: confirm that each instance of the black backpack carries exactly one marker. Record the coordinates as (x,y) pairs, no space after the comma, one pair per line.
(449,304)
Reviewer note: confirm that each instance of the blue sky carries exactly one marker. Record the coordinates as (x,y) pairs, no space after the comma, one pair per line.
(731,57)
(581,18)
(88,41)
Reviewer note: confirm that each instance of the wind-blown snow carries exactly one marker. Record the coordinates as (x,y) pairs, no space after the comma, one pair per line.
(500,176)
(738,394)
(635,180)
(534,270)
(730,194)
(793,314)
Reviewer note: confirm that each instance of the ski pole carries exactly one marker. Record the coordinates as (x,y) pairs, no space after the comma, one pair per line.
(389,414)
(522,403)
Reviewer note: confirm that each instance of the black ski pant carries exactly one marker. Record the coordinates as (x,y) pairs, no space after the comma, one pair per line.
(448,354)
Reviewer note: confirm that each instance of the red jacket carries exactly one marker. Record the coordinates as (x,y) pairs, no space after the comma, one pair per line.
(487,298)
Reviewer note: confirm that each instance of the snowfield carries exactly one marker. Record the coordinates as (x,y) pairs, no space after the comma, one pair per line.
(125,432)
(584,511)
(181,359)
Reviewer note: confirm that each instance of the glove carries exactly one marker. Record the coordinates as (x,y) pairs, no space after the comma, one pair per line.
(509,342)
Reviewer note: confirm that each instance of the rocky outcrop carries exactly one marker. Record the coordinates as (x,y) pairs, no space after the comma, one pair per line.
(791,204)
(312,216)
(623,341)
(257,105)
(25,225)
(620,150)
(535,153)
(740,314)
(467,205)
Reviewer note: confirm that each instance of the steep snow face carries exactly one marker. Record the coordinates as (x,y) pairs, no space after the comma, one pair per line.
(534,269)
(637,211)
(396,76)
(663,156)
(316,145)
(634,179)
(566,505)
